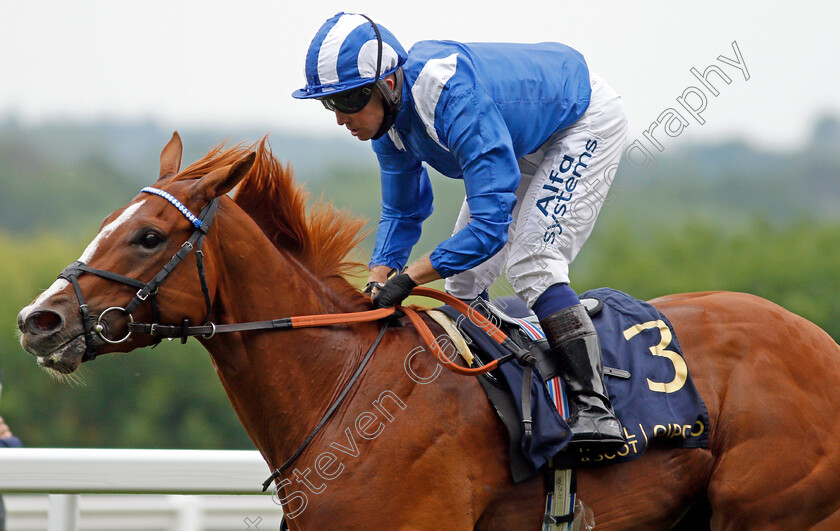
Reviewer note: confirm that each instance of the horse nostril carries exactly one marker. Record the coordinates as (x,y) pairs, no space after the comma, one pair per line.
(40,322)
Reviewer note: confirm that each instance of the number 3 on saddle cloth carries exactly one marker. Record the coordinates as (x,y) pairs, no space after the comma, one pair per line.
(648,381)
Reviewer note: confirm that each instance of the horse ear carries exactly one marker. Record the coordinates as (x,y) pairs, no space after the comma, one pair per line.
(170,157)
(222,180)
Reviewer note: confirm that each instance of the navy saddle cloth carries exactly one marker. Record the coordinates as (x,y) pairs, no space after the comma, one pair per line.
(657,402)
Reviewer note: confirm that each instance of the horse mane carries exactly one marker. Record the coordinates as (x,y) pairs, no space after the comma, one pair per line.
(322,240)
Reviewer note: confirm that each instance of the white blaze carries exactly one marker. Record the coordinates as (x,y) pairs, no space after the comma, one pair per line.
(106,231)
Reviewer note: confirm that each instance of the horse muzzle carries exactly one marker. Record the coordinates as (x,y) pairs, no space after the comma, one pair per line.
(54,335)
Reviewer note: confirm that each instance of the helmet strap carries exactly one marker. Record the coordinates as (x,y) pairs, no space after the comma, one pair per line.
(391,102)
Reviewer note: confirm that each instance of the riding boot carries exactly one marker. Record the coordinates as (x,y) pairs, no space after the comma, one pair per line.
(576,358)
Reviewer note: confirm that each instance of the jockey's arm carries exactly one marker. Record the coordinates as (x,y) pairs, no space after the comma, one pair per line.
(420,272)
(379,274)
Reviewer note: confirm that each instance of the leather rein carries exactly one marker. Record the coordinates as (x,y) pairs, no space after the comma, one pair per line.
(147,291)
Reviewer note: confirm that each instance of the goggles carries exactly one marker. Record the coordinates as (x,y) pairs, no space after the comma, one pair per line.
(350,101)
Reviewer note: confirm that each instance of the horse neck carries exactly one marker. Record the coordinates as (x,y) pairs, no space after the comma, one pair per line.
(279,382)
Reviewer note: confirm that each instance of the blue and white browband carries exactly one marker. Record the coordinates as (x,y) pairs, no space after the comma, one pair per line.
(184,210)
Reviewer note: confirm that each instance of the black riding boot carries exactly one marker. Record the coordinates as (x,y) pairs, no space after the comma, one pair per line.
(576,358)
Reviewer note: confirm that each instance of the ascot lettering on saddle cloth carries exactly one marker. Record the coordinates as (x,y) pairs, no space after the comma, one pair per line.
(658,401)
(556,196)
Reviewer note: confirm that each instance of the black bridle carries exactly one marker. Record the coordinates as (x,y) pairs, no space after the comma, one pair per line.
(194,242)
(148,290)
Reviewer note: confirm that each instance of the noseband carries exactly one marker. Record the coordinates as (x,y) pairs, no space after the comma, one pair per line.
(145,291)
(148,290)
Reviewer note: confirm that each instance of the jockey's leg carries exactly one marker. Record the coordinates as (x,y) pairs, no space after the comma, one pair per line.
(572,174)
(575,357)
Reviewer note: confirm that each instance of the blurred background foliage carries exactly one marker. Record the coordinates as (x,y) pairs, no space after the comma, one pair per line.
(728,216)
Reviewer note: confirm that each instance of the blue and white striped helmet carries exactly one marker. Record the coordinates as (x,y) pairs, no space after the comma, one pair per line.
(344,53)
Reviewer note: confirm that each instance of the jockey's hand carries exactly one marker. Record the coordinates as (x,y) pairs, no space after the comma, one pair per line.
(377,277)
(372,288)
(395,290)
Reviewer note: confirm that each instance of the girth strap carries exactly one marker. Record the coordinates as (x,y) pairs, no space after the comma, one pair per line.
(527,424)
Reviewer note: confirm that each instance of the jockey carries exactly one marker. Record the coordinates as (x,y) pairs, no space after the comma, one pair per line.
(535,137)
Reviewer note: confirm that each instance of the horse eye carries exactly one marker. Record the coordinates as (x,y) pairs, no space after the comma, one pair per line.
(150,240)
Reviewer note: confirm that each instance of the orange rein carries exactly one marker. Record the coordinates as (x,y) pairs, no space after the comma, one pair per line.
(305,321)
(491,329)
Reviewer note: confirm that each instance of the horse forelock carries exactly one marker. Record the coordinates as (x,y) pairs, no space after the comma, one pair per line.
(323,239)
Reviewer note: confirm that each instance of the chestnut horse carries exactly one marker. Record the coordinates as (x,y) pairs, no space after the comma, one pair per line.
(410,450)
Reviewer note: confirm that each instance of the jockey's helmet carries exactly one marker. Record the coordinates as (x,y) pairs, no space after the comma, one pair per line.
(349,51)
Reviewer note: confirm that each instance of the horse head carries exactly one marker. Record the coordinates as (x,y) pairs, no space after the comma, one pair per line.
(86,312)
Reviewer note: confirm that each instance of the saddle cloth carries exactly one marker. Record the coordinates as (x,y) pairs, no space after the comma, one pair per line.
(647,379)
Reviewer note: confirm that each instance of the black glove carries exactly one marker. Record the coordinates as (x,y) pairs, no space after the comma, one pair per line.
(372,288)
(395,290)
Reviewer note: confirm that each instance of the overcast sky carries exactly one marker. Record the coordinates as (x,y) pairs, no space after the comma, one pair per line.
(195,62)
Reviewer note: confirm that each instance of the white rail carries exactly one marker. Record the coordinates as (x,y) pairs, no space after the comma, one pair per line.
(72,472)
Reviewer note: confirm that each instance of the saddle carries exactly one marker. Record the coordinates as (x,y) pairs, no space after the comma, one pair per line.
(647,379)
(512,316)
